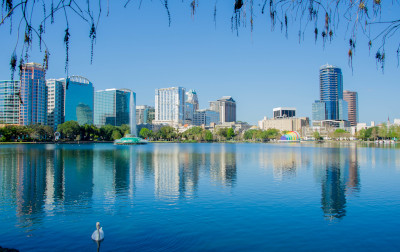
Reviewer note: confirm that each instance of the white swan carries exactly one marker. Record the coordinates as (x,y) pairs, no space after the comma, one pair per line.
(98,234)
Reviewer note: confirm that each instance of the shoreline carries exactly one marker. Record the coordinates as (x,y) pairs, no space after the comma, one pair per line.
(200,142)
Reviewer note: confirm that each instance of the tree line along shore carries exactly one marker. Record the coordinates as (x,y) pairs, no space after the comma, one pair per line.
(71,131)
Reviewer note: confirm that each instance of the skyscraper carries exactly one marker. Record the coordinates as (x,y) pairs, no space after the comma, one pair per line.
(115,107)
(331,92)
(9,102)
(226,107)
(33,107)
(79,99)
(351,98)
(191,106)
(318,111)
(142,114)
(55,102)
(193,99)
(170,106)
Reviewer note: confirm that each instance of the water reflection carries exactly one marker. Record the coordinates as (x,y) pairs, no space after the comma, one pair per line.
(338,173)
(336,169)
(40,180)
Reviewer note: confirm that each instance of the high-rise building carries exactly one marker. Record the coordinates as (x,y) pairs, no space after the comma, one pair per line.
(78,100)
(284,112)
(33,107)
(143,114)
(55,102)
(226,107)
(9,102)
(115,107)
(205,117)
(151,115)
(331,92)
(189,113)
(318,111)
(170,106)
(191,97)
(351,98)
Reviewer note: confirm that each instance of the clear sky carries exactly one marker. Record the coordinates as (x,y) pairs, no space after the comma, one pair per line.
(136,49)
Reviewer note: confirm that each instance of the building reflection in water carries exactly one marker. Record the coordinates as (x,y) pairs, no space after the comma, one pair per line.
(338,172)
(30,167)
(78,172)
(176,170)
(222,164)
(285,164)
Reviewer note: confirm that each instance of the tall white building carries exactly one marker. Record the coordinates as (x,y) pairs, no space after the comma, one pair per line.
(170,106)
(55,102)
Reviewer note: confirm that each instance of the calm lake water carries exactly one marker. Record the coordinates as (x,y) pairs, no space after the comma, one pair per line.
(200,197)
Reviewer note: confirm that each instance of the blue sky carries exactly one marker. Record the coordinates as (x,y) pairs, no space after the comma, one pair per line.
(136,49)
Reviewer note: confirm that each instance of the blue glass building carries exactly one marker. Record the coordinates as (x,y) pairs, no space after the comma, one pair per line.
(115,107)
(9,102)
(331,93)
(79,100)
(318,111)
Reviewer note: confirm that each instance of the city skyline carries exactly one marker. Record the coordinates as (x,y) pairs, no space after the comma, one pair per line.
(252,67)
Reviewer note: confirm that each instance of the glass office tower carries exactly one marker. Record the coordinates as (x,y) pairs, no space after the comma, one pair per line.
(79,100)
(115,107)
(331,92)
(33,107)
(9,102)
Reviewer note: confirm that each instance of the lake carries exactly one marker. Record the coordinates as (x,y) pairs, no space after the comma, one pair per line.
(200,197)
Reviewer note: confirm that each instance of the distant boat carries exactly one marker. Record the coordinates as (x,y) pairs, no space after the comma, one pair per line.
(130,140)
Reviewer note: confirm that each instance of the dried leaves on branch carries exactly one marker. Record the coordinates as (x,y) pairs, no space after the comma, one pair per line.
(318,19)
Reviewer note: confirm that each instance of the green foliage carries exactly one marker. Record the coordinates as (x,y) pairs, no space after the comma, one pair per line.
(273,134)
(195,133)
(69,129)
(125,129)
(208,136)
(167,133)
(145,133)
(106,132)
(230,133)
(316,135)
(340,133)
(40,132)
(116,134)
(261,135)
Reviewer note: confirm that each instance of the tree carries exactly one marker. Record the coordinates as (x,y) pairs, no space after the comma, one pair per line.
(230,133)
(167,133)
(319,19)
(116,134)
(125,129)
(340,133)
(273,134)
(361,134)
(208,136)
(222,133)
(106,132)
(69,129)
(383,131)
(145,133)
(316,135)
(374,133)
